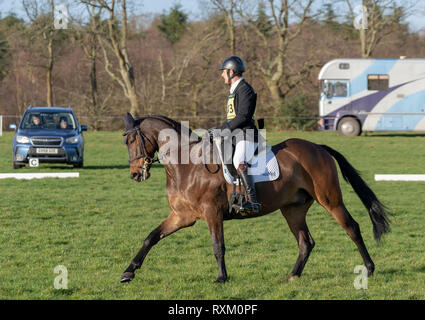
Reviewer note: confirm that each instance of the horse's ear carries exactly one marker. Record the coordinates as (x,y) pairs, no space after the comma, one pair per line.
(129,121)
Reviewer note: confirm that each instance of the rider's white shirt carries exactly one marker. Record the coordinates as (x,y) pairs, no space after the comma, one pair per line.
(234,85)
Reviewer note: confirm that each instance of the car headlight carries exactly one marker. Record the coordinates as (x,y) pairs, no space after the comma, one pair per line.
(22,139)
(74,139)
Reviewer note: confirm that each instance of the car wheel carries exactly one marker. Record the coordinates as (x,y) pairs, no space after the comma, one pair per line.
(349,127)
(17,166)
(78,165)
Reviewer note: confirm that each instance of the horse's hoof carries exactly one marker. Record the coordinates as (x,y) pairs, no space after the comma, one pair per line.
(127,277)
(221,280)
(370,270)
(291,277)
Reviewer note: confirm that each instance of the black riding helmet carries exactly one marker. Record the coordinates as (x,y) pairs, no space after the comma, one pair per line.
(234,63)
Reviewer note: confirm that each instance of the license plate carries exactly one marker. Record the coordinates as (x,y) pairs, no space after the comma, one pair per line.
(47,150)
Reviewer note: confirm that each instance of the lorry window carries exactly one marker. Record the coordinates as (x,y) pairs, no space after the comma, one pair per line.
(378,82)
(335,88)
(340,89)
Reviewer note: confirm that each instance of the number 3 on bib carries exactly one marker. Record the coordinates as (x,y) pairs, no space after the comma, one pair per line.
(231,113)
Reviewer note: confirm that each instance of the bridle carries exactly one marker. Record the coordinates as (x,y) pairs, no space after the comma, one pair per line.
(144,154)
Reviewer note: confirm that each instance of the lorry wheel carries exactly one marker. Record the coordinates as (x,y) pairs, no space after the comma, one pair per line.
(349,127)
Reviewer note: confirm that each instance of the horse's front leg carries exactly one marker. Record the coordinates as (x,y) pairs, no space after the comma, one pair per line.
(173,223)
(215,225)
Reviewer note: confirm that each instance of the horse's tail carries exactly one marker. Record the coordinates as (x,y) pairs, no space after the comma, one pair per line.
(377,211)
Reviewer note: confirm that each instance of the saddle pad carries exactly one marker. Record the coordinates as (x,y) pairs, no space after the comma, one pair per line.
(263,168)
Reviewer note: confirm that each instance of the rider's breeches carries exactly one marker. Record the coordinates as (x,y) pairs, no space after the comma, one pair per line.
(244,152)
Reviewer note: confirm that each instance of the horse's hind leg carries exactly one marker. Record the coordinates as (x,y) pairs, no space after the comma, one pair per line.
(173,223)
(295,216)
(351,227)
(215,225)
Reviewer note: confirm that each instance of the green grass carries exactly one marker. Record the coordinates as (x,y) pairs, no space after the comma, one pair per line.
(95,224)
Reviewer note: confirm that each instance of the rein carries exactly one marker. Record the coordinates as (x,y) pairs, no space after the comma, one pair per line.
(206,165)
(144,154)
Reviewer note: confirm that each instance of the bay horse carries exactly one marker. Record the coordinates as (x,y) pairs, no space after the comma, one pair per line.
(308,174)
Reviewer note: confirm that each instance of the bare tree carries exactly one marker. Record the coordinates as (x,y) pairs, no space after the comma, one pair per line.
(201,57)
(375,20)
(90,46)
(227,8)
(116,41)
(87,34)
(272,61)
(43,23)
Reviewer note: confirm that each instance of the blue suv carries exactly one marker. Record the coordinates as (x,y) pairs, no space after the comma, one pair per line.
(48,134)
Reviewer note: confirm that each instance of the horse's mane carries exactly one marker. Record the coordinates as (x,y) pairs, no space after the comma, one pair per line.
(177,126)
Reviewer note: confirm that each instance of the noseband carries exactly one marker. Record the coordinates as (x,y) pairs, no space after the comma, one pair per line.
(144,154)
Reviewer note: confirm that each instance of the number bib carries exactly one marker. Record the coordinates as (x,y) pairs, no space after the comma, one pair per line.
(230,109)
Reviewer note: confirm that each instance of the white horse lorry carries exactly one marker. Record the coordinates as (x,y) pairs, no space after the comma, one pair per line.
(372,95)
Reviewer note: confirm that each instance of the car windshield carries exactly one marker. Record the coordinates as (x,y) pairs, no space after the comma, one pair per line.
(49,121)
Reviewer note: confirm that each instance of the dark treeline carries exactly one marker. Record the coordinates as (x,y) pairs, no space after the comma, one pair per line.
(110,60)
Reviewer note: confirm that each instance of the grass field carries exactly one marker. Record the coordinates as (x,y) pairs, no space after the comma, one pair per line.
(95,224)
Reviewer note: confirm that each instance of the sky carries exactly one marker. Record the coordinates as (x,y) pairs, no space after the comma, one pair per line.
(190,6)
(153,6)
(194,8)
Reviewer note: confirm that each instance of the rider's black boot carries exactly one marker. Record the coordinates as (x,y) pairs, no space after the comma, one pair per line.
(251,205)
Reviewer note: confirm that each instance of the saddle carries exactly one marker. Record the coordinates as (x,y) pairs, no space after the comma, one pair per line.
(264,167)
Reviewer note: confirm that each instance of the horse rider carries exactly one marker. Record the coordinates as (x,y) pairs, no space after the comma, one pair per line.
(240,110)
